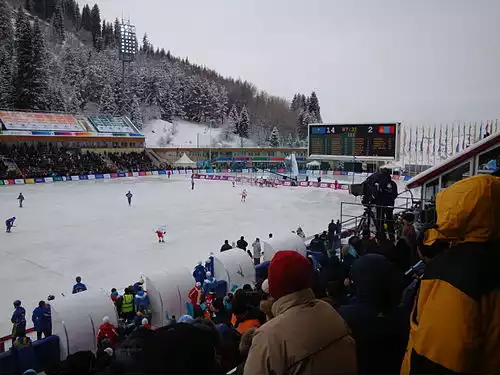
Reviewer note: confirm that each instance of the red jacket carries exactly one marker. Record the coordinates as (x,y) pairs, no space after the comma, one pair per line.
(108,331)
(194,296)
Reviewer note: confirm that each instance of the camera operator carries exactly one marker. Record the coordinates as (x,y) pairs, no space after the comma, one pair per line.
(379,189)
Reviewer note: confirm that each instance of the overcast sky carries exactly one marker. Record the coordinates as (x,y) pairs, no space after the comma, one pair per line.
(420,61)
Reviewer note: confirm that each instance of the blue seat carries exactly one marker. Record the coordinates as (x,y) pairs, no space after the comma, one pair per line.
(47,352)
(221,288)
(8,363)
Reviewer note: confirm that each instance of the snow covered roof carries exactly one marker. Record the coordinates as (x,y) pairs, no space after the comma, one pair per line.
(454,161)
(184,161)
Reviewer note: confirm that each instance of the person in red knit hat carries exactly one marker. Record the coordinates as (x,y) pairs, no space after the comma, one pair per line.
(306,335)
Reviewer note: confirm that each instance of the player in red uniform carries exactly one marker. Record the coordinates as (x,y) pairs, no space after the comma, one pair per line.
(244,195)
(160,234)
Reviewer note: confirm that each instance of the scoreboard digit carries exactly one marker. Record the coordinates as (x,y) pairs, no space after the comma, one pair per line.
(363,141)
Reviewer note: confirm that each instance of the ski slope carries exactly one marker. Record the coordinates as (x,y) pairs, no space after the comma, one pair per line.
(86,228)
(187,134)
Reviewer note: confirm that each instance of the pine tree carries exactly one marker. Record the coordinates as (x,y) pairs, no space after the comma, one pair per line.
(274,138)
(40,65)
(135,114)
(234,119)
(290,140)
(24,55)
(107,104)
(95,28)
(117,32)
(244,123)
(58,23)
(7,64)
(77,17)
(86,18)
(314,109)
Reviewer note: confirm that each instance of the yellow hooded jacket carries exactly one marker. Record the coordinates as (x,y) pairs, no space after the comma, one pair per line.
(455,322)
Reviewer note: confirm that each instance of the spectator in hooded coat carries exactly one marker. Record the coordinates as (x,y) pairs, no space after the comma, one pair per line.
(209,283)
(141,301)
(79,286)
(200,273)
(377,321)
(257,251)
(455,322)
(18,320)
(285,344)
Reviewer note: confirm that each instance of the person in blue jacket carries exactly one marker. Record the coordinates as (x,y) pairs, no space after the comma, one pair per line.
(200,273)
(209,283)
(18,321)
(141,301)
(42,320)
(9,223)
(79,286)
(129,196)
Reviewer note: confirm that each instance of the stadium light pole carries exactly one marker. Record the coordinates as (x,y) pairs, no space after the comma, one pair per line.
(127,47)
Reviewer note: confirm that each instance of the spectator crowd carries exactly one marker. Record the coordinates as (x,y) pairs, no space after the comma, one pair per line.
(367,311)
(48,160)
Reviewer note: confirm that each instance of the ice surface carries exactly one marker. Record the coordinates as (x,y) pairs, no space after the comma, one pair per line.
(86,228)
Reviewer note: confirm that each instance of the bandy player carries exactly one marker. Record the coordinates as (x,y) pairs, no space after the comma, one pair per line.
(244,195)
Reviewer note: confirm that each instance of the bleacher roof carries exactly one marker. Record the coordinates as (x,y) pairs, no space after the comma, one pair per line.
(454,161)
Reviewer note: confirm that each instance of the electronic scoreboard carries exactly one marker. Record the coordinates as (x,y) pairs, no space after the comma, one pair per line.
(354,141)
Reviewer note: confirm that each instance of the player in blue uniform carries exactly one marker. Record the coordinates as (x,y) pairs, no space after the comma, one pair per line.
(79,286)
(129,197)
(9,223)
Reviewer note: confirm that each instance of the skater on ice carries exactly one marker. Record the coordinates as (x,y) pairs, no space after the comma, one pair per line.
(129,196)
(20,198)
(244,195)
(192,184)
(79,286)
(234,183)
(160,234)
(9,223)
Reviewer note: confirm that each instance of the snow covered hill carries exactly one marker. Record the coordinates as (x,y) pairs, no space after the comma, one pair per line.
(181,133)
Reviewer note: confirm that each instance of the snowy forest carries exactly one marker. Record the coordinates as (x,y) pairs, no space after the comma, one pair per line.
(57,57)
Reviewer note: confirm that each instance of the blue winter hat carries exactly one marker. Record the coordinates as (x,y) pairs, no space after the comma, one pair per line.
(185,319)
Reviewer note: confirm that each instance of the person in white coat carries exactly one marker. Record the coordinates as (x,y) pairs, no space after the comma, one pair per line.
(257,251)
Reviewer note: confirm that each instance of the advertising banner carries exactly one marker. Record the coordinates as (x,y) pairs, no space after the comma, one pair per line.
(39,180)
(99,176)
(19,181)
(28,181)
(58,179)
(91,177)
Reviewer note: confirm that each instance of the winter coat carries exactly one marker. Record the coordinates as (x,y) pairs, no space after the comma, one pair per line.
(114,296)
(200,273)
(226,247)
(257,249)
(377,323)
(79,287)
(19,318)
(316,244)
(141,301)
(41,319)
(243,324)
(455,322)
(195,296)
(208,284)
(242,244)
(306,336)
(108,331)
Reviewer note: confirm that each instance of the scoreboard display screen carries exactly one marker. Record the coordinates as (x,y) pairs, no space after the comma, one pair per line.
(364,141)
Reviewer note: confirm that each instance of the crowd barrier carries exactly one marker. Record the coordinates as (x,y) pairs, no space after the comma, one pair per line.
(210,174)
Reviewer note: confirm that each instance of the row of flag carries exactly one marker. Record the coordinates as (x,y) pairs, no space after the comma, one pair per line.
(429,144)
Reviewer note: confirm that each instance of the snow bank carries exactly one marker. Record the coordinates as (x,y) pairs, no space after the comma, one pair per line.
(181,133)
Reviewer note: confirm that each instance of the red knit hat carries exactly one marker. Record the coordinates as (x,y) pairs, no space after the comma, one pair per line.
(288,272)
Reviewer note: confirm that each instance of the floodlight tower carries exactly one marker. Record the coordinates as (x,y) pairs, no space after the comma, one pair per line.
(128,48)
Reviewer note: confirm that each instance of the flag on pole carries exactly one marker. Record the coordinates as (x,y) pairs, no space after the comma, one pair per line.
(480,131)
(470,128)
(422,141)
(434,141)
(440,138)
(486,129)
(404,141)
(496,125)
(475,132)
(463,139)
(409,143)
(452,138)
(428,141)
(446,142)
(416,140)
(457,149)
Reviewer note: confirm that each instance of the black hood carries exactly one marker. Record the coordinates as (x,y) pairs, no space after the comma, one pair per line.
(377,281)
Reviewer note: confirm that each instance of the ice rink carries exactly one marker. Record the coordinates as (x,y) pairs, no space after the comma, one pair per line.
(86,228)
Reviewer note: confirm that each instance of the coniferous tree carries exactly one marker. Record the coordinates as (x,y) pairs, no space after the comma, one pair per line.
(40,65)
(86,18)
(77,17)
(314,109)
(135,114)
(58,23)
(95,22)
(234,119)
(290,140)
(117,32)
(107,104)
(7,64)
(24,55)
(274,138)
(244,123)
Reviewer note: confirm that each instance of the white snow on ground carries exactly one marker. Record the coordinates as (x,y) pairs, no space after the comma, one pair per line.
(86,228)
(187,134)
